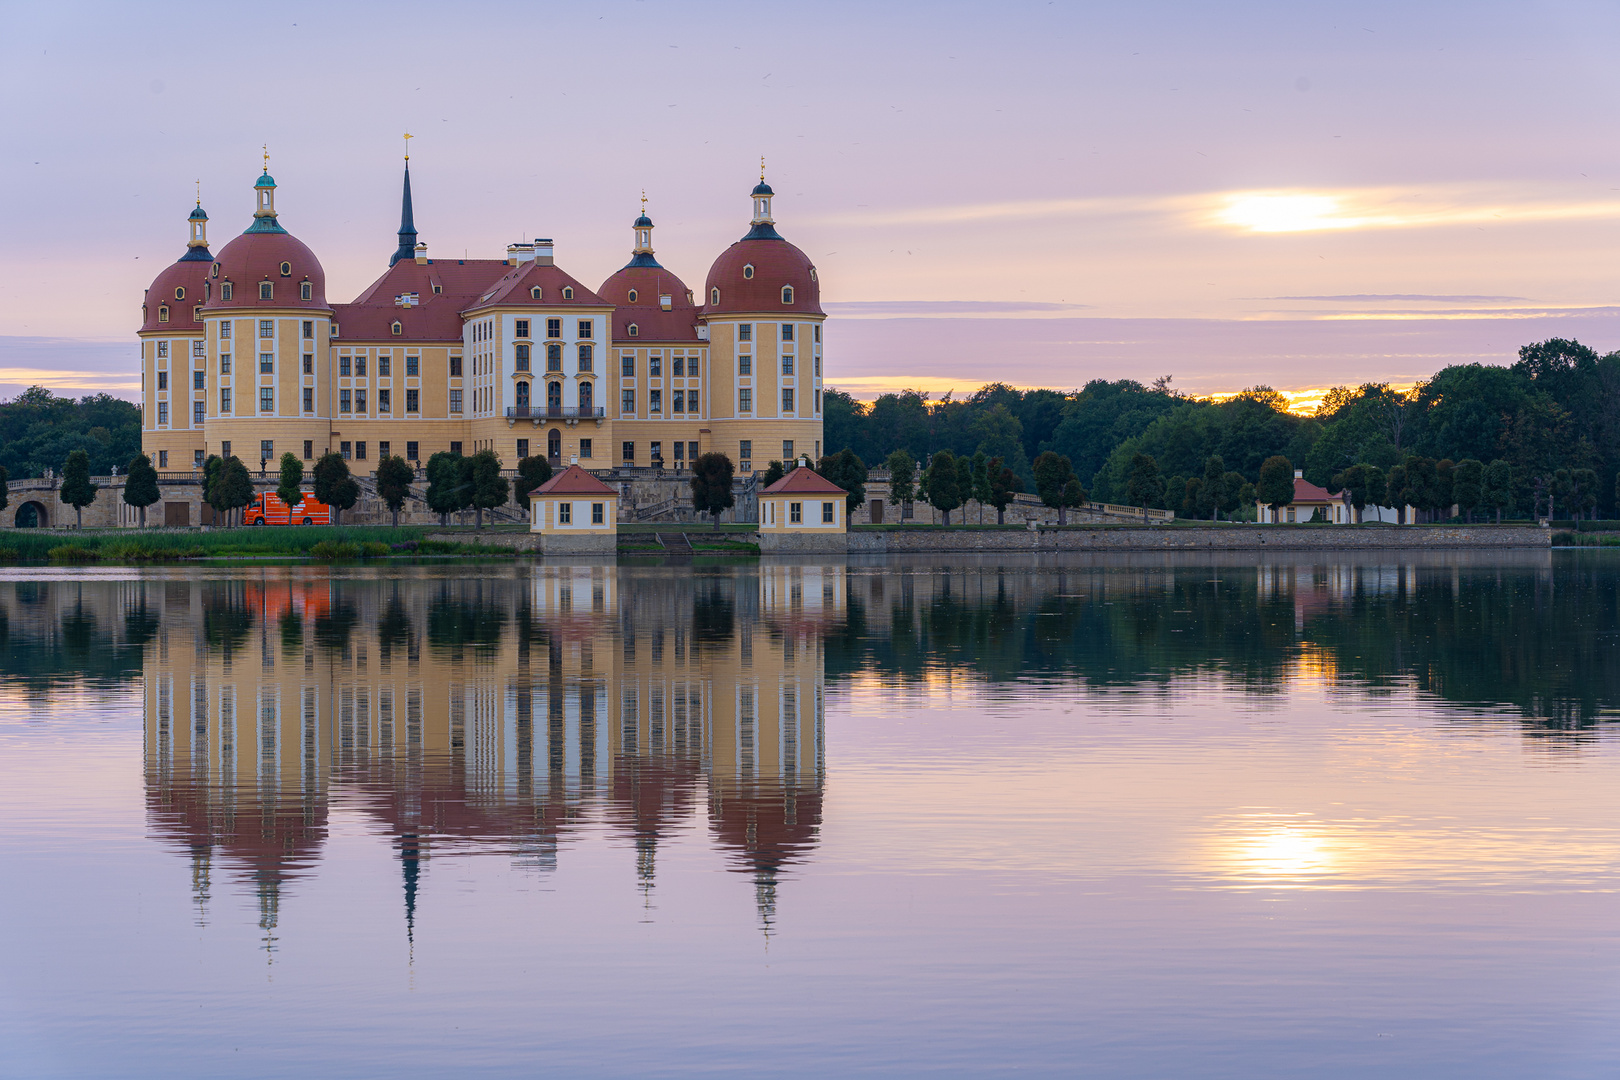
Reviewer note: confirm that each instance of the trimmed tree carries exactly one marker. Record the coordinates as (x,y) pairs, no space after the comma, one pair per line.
(1144,486)
(942,483)
(773,472)
(532,472)
(140,485)
(1276,486)
(290,485)
(1004,484)
(1231,494)
(848,471)
(1213,494)
(1352,482)
(394,476)
(903,479)
(333,484)
(1497,487)
(235,485)
(210,480)
(77,490)
(446,494)
(711,485)
(979,481)
(1467,486)
(1398,490)
(1052,473)
(489,489)
(1074,494)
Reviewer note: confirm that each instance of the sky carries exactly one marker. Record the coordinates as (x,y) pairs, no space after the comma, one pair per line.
(1297,195)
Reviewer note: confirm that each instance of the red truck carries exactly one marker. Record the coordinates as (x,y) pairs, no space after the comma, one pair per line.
(268,509)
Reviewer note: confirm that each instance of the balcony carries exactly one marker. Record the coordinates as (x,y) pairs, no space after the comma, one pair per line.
(537,413)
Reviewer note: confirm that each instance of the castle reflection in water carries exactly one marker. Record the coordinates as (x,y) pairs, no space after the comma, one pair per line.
(508,711)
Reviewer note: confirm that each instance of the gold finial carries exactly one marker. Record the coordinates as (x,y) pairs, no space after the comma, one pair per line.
(643,202)
(408,138)
(267,159)
(199,193)
(762,168)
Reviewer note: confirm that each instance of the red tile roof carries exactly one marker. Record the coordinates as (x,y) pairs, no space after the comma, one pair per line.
(573,481)
(803,481)
(189,276)
(653,323)
(776,263)
(255,257)
(513,289)
(1305,491)
(435,317)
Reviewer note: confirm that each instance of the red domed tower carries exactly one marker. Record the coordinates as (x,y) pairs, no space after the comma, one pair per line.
(172,349)
(762,313)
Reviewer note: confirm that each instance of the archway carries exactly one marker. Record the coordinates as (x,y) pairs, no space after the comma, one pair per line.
(33,515)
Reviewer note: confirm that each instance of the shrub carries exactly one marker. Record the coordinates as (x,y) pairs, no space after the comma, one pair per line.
(74,553)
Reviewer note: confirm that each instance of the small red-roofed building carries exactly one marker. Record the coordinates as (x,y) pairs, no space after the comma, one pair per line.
(803,511)
(574,512)
(1308,499)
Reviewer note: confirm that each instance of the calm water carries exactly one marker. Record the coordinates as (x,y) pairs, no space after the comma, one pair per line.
(1114,817)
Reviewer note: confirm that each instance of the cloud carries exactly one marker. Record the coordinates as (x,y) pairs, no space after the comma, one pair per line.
(934,309)
(1373,298)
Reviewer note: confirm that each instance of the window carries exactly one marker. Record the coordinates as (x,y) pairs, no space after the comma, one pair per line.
(309,364)
(745,449)
(267,449)
(585,448)
(816,333)
(225,449)
(344,452)
(787,364)
(678,366)
(385,401)
(306,291)
(586,357)
(745,331)
(796,513)
(196,458)
(818,365)
(163,412)
(197,378)
(655,401)
(385,366)
(629,451)
(627,366)
(225,363)
(534,292)
(163,459)
(745,400)
(267,399)
(163,313)
(411,452)
(413,367)
(679,404)
(359,367)
(225,291)
(359,401)
(345,366)
(633,330)
(225,401)
(553,328)
(655,366)
(632,296)
(455,448)
(197,411)
(787,294)
(382,450)
(596,513)
(286,269)
(308,328)
(267,363)
(827,513)
(359,451)
(818,401)
(627,402)
(267,290)
(787,331)
(225,330)
(565,513)
(585,328)
(522,326)
(748,271)
(163,380)
(196,312)
(787,400)
(554,357)
(455,401)
(163,350)
(714,296)
(455,367)
(309,399)
(522,449)
(413,401)
(568,292)
(267,328)
(787,450)
(179,293)
(745,364)
(395,329)
(345,401)
(655,453)
(680,451)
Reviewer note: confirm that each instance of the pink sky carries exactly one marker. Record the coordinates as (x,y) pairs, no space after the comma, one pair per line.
(1290,194)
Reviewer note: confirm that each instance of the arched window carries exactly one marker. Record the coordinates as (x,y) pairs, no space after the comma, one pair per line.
(586,355)
(568,292)
(748,271)
(632,296)
(534,292)
(286,269)
(553,356)
(787,294)
(163,313)
(225,290)
(267,290)
(523,395)
(633,330)
(554,395)
(812,273)
(180,293)
(586,398)
(714,295)
(306,291)
(216,270)
(396,328)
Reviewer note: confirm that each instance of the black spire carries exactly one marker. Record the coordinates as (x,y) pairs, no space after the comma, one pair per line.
(407,224)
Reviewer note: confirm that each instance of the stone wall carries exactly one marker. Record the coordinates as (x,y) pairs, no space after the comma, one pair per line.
(803,543)
(1213,538)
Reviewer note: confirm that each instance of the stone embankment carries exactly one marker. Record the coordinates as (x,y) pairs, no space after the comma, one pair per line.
(1189,538)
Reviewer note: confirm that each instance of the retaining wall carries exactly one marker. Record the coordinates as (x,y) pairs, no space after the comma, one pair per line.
(1227,538)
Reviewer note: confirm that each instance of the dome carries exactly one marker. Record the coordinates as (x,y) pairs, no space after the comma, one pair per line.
(776,263)
(762,188)
(643,222)
(185,274)
(199,214)
(256,257)
(652,322)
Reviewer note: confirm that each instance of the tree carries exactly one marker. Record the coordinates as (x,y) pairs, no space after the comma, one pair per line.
(77,490)
(1192,497)
(489,489)
(1144,486)
(234,488)
(532,472)
(902,479)
(979,476)
(446,494)
(1276,487)
(1398,490)
(848,471)
(1074,494)
(1583,491)
(711,485)
(394,476)
(1497,489)
(943,483)
(1352,482)
(1213,493)
(140,485)
(773,472)
(1004,484)
(1232,495)
(1467,479)
(333,484)
(5,493)
(290,489)
(1052,475)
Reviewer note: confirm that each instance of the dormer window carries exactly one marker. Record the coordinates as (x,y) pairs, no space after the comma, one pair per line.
(196,313)
(396,328)
(437,288)
(225,290)
(633,330)
(215,272)
(286,269)
(534,293)
(163,313)
(787,294)
(568,292)
(306,291)
(714,296)
(748,271)
(180,293)
(632,296)
(267,290)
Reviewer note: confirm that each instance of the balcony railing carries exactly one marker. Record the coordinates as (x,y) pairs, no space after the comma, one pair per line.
(556,412)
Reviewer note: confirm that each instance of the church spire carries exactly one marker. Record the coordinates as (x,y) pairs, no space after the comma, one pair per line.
(407,223)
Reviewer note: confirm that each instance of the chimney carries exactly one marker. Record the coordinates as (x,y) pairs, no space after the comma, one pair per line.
(517,254)
(666,301)
(542,253)
(421,255)
(1299,474)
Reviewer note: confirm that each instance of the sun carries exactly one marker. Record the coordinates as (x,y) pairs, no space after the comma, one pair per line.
(1274,212)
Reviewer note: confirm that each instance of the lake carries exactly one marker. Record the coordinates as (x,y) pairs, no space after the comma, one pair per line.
(1135,816)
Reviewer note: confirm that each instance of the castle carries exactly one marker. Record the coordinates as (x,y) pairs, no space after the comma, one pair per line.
(243,354)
